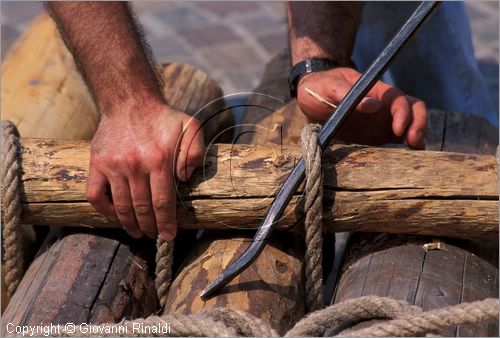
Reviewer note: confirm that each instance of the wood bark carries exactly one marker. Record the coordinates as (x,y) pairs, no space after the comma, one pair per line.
(445,194)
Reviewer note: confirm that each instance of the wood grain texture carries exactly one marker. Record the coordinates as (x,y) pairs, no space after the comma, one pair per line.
(448,194)
(42,91)
(399,267)
(270,289)
(82,277)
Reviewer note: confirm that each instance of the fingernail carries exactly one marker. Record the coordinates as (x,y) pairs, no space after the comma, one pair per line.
(368,100)
(168,235)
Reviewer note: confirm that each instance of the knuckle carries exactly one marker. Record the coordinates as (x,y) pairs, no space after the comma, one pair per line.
(161,204)
(122,208)
(132,161)
(158,159)
(91,195)
(142,208)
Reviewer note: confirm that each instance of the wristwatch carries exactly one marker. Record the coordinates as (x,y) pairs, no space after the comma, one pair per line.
(307,66)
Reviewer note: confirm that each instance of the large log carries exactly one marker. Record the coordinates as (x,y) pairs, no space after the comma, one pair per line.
(42,92)
(445,194)
(83,277)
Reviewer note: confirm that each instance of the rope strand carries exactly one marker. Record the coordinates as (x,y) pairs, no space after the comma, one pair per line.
(11,208)
(311,152)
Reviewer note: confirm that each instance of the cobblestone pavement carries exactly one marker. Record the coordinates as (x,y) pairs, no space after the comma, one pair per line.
(233,41)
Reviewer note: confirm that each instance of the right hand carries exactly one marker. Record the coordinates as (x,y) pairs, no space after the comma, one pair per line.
(137,154)
(385,115)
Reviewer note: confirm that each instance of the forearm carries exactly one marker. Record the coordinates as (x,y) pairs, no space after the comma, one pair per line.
(110,54)
(323,30)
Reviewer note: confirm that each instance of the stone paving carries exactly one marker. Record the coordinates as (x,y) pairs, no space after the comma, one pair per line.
(232,41)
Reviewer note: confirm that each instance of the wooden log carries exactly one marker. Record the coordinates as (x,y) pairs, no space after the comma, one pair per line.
(42,92)
(396,265)
(81,278)
(271,288)
(440,193)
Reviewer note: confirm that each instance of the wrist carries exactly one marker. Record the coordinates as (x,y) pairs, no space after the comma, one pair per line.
(140,105)
(307,67)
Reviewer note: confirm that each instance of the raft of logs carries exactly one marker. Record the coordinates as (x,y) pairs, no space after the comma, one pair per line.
(98,274)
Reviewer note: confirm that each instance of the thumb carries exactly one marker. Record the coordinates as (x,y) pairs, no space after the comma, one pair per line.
(190,155)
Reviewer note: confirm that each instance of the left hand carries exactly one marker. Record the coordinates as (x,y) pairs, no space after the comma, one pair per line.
(385,115)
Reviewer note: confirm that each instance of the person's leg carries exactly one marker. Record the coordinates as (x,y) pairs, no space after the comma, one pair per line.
(437,65)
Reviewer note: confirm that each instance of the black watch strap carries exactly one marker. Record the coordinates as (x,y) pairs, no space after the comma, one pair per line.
(307,66)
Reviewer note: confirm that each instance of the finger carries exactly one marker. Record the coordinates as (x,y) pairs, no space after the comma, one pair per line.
(96,193)
(416,135)
(141,202)
(122,202)
(191,147)
(367,105)
(163,197)
(396,101)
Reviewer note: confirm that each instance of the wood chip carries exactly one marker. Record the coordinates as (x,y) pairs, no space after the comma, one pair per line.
(434,246)
(320,98)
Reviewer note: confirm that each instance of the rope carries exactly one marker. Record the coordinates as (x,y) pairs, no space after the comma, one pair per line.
(311,152)
(11,207)
(225,322)
(404,319)
(434,320)
(347,313)
(164,260)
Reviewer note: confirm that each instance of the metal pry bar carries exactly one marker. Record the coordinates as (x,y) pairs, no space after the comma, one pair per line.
(350,101)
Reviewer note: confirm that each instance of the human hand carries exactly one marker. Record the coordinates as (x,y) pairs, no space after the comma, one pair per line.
(136,153)
(385,115)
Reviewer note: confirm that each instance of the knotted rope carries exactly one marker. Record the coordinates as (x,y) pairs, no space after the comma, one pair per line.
(313,205)
(11,207)
(405,319)
(164,260)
